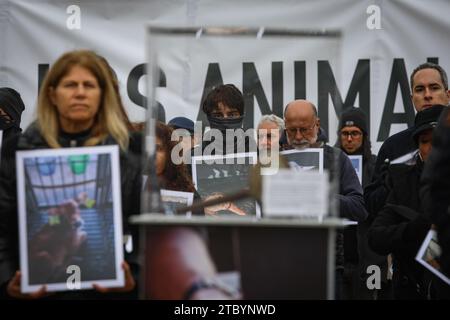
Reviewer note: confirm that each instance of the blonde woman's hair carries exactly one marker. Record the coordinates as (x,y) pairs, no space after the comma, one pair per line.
(109,119)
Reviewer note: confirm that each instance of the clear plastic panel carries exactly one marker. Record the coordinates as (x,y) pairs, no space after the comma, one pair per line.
(271,67)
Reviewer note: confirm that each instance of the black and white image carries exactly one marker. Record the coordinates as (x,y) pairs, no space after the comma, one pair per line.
(305,160)
(217,176)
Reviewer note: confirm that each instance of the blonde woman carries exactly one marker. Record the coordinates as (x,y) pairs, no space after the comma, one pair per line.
(78,105)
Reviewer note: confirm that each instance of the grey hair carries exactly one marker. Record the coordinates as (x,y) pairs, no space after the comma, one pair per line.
(274,119)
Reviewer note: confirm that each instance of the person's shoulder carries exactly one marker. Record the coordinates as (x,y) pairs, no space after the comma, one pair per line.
(9,145)
(31,130)
(136,142)
(331,149)
(397,145)
(401,136)
(31,138)
(336,154)
(400,169)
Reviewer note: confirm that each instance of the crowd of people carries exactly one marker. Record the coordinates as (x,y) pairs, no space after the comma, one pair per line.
(403,193)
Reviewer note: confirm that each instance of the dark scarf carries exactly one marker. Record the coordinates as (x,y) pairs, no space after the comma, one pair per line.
(225,123)
(74,139)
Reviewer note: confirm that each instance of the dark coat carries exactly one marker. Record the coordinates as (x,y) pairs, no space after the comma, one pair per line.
(348,192)
(435,195)
(400,228)
(375,194)
(366,255)
(345,186)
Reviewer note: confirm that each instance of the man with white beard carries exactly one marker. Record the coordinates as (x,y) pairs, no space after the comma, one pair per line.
(302,131)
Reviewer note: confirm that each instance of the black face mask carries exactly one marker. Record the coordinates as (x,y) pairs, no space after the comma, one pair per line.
(5,123)
(225,123)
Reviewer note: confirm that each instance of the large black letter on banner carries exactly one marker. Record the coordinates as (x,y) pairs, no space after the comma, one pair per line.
(300,79)
(398,77)
(252,88)
(359,86)
(213,79)
(42,71)
(133,89)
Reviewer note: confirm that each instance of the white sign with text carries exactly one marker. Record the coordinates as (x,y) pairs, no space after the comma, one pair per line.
(296,194)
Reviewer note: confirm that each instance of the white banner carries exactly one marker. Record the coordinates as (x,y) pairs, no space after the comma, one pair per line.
(381,43)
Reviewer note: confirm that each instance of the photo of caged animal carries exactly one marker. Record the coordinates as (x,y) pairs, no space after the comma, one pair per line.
(59,242)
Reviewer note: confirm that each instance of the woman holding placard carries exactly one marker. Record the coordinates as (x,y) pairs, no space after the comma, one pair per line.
(78,105)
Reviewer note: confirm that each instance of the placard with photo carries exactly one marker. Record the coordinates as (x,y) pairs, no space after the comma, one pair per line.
(357,163)
(220,175)
(173,200)
(70,218)
(305,159)
(429,255)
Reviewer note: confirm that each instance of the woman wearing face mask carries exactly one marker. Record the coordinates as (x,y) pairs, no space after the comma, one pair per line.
(401,226)
(77,106)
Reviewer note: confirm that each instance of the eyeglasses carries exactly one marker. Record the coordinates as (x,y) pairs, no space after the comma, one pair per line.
(353,134)
(303,131)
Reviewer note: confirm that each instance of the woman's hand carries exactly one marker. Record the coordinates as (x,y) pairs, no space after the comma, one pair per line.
(14,291)
(230,206)
(129,282)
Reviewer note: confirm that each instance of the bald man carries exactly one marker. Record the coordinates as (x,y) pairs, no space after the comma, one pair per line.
(303,131)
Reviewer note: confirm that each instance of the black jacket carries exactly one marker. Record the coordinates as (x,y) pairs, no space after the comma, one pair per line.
(130,174)
(347,189)
(436,194)
(398,145)
(356,247)
(399,228)
(349,193)
(366,255)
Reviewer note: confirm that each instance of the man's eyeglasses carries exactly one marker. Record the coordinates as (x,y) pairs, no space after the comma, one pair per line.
(303,131)
(353,134)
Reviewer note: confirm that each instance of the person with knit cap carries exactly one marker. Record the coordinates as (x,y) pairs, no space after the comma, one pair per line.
(353,139)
